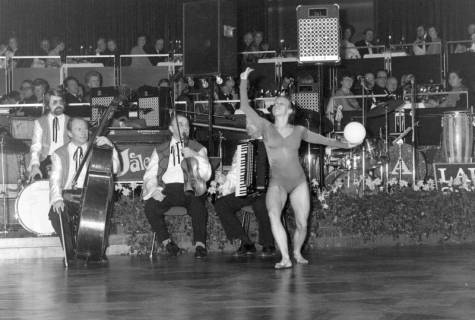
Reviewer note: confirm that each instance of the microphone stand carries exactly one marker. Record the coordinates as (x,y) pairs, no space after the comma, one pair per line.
(363,120)
(4,199)
(413,133)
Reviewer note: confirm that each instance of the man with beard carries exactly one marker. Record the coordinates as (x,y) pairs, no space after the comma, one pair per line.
(49,133)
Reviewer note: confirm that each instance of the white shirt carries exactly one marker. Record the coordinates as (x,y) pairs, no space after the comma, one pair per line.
(174,172)
(57,171)
(35,148)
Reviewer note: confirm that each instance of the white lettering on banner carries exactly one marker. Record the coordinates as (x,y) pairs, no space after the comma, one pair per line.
(133,162)
(400,166)
(442,174)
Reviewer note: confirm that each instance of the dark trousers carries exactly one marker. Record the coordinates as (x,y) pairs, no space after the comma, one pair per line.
(70,217)
(227,207)
(175,196)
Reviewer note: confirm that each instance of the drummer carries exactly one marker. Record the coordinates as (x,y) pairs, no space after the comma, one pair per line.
(49,133)
(338,103)
(65,163)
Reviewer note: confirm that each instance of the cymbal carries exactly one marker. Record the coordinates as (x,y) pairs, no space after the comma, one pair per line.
(12,145)
(384,107)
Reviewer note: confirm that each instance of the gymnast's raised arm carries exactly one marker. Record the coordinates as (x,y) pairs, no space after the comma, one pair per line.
(245,107)
(312,137)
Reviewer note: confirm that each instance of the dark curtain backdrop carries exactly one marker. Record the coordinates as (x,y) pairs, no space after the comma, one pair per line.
(83,21)
(401,17)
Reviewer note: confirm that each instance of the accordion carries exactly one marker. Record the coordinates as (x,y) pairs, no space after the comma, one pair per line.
(253,166)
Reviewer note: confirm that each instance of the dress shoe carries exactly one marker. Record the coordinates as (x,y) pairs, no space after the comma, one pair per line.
(245,249)
(172,249)
(200,252)
(268,251)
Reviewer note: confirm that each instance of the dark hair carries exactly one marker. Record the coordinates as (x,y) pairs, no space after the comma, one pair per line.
(346,74)
(349,26)
(26,81)
(458,73)
(58,92)
(164,80)
(65,82)
(69,125)
(91,74)
(367,29)
(41,82)
(14,95)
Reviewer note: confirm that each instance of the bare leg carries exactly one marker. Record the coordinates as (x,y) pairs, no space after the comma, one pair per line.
(275,201)
(300,201)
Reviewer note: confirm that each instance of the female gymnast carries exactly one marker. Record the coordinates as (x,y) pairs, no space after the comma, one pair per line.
(282,141)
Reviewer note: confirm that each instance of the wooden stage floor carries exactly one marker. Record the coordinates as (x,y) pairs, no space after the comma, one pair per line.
(388,283)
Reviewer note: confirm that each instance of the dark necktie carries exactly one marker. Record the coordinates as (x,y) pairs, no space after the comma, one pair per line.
(78,157)
(55,129)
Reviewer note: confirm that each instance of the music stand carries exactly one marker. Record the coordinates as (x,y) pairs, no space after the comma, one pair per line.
(149,98)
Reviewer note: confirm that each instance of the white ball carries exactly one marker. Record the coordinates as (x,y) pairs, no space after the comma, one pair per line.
(354,132)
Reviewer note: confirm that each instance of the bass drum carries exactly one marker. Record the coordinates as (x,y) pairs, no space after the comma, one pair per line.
(404,165)
(32,208)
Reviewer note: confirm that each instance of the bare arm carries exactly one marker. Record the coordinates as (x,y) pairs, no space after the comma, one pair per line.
(312,137)
(251,114)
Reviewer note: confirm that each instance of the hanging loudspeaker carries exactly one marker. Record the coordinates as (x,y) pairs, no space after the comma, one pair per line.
(318,31)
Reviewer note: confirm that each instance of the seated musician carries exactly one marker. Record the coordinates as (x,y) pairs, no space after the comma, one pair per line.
(455,98)
(65,163)
(229,204)
(49,133)
(163,186)
(338,103)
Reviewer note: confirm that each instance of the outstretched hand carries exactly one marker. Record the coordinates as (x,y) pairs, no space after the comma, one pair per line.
(245,73)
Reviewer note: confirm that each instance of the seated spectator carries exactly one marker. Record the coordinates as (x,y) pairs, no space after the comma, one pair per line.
(461,48)
(139,49)
(227,91)
(455,99)
(247,40)
(57,51)
(158,48)
(366,46)
(101,46)
(419,47)
(14,51)
(92,79)
(380,83)
(392,86)
(435,43)
(338,103)
(26,92)
(349,50)
(42,51)
(112,50)
(259,45)
(71,86)
(40,87)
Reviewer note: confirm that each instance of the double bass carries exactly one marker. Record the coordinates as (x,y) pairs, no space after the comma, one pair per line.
(95,199)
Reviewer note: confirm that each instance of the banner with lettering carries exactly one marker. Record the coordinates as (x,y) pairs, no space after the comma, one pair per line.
(135,159)
(447,173)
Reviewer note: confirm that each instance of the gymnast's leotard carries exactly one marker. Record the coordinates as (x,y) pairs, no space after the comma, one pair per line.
(282,152)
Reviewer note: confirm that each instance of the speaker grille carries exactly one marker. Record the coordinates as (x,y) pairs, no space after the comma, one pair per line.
(152,118)
(306,100)
(99,101)
(318,39)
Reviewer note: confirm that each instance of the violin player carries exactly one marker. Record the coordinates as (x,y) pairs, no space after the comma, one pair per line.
(164,185)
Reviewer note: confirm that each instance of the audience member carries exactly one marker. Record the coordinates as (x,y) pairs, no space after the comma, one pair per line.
(111,50)
(159,48)
(71,85)
(139,49)
(26,92)
(42,51)
(338,103)
(14,51)
(227,91)
(461,48)
(435,44)
(101,46)
(348,48)
(40,87)
(58,48)
(419,46)
(366,46)
(456,85)
(392,86)
(381,81)
(248,40)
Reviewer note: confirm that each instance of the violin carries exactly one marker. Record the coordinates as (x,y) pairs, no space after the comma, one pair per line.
(190,166)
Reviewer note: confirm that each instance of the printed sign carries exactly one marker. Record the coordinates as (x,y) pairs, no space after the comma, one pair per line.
(135,159)
(446,173)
